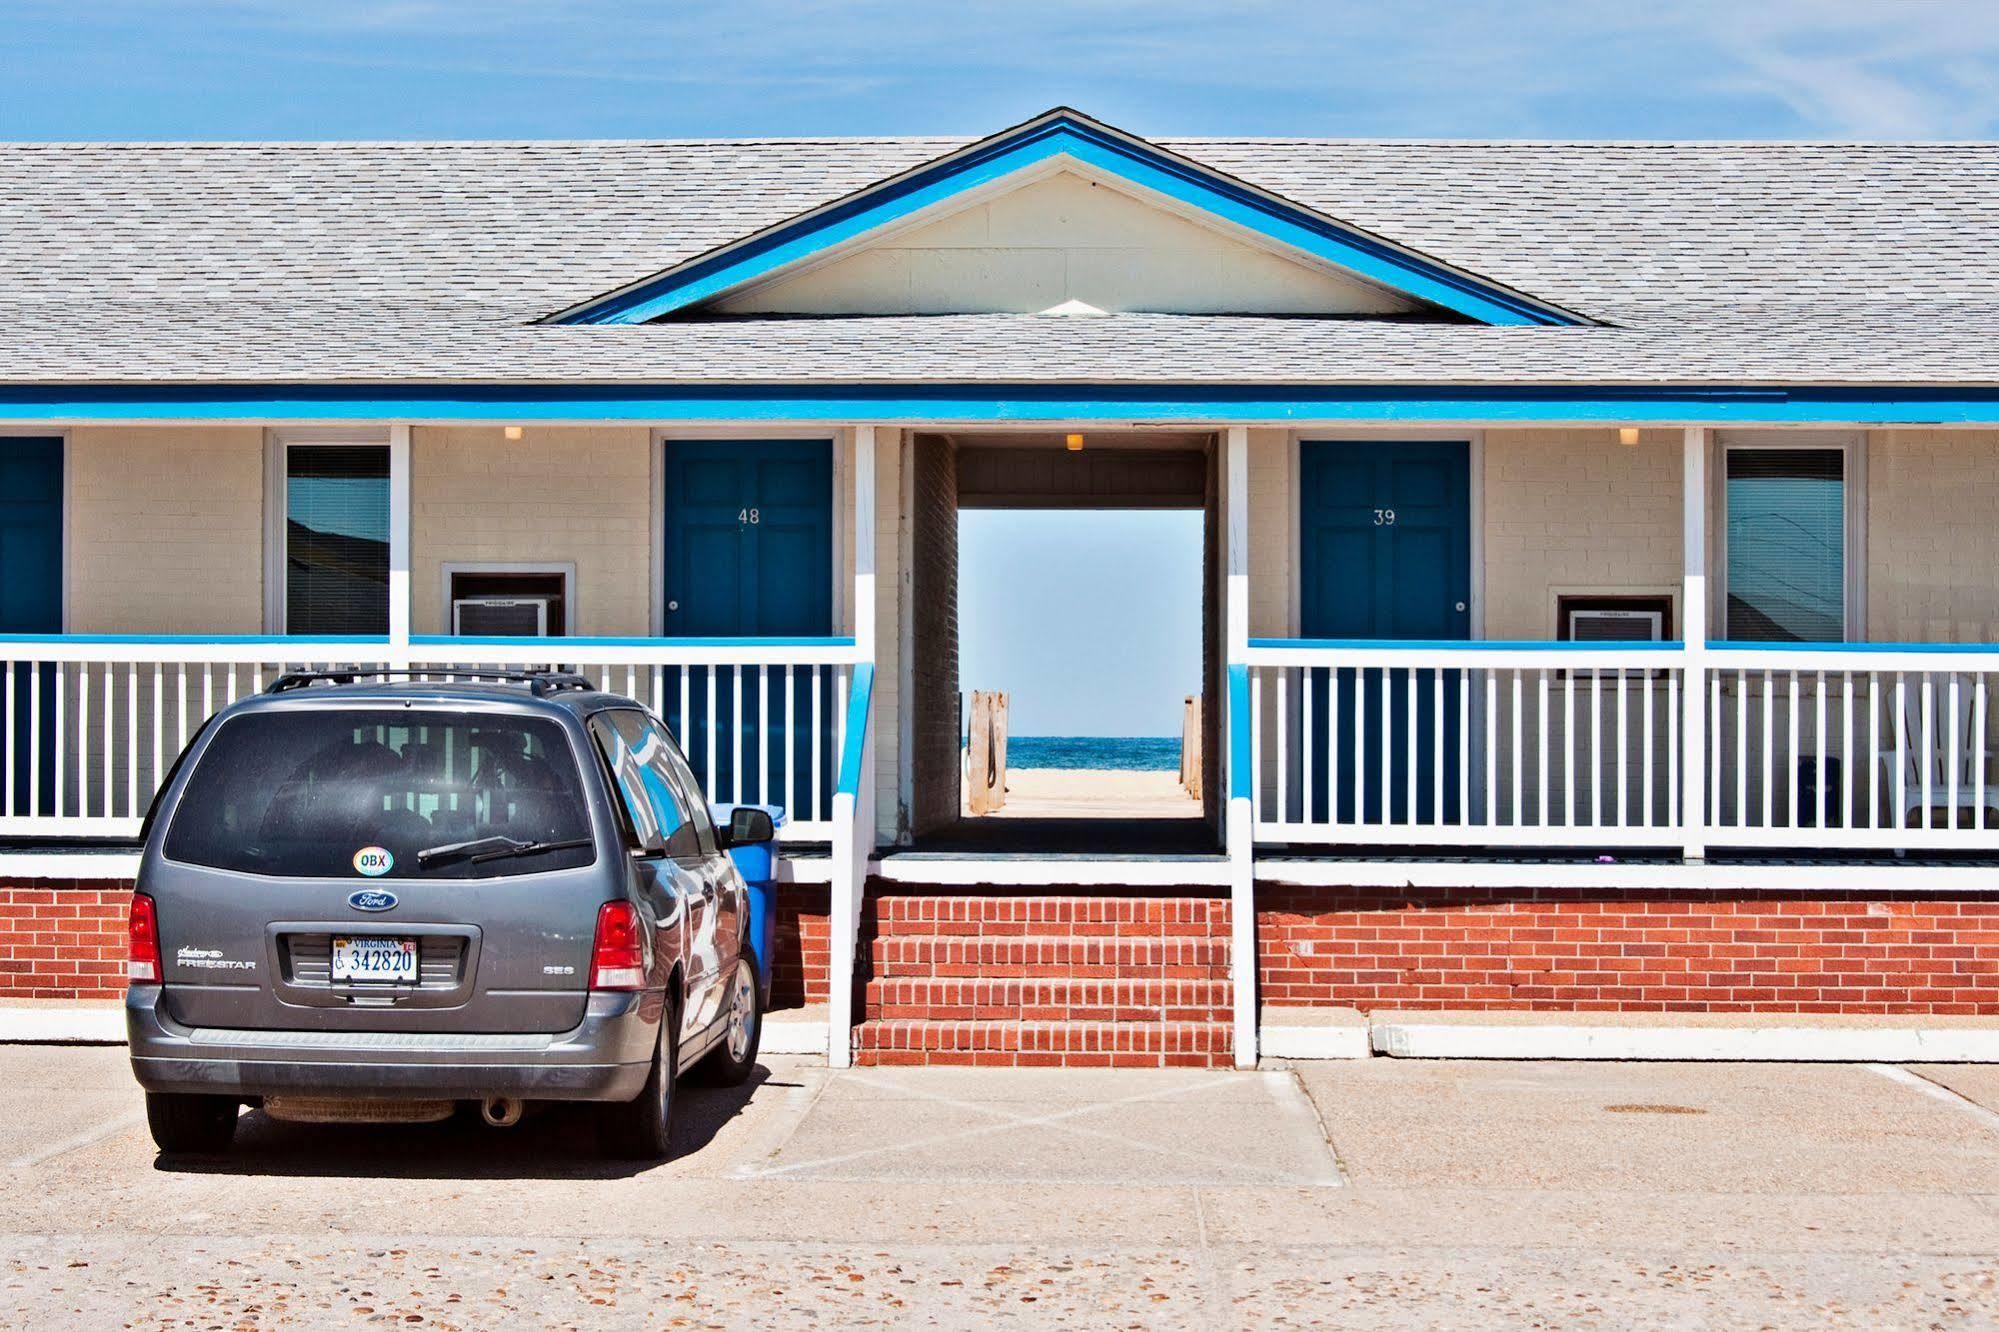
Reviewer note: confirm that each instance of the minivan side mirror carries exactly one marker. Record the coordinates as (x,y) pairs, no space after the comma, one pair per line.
(748,826)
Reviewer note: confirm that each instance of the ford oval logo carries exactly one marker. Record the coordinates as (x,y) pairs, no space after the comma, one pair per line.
(372,899)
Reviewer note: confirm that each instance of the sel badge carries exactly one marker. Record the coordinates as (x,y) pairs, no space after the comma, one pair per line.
(373,861)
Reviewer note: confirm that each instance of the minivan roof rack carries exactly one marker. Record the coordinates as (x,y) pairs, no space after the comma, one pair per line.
(539,683)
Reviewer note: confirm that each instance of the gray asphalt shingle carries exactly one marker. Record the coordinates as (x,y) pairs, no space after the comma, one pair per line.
(1767,263)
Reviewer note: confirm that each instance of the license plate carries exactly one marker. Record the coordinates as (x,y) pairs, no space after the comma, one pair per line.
(374,959)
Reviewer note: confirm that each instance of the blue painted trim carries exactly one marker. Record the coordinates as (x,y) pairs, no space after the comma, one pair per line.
(990,403)
(859,699)
(1461,644)
(529,641)
(192,640)
(1238,731)
(1038,141)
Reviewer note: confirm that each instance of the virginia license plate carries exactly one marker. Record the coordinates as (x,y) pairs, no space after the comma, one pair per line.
(374,959)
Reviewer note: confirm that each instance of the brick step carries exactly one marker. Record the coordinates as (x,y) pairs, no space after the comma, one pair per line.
(944,912)
(1051,1044)
(1012,956)
(1048,999)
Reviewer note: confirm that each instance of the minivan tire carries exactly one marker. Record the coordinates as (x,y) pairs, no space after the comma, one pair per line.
(727,1066)
(184,1123)
(641,1129)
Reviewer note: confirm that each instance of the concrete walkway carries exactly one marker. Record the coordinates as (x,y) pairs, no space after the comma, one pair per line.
(1383,1192)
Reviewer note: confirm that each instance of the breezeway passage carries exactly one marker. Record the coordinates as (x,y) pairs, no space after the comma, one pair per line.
(1493,1193)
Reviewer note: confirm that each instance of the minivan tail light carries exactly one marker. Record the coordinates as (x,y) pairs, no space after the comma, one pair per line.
(142,965)
(617,959)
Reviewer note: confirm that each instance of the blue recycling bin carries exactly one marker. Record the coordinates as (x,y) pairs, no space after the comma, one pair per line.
(758,865)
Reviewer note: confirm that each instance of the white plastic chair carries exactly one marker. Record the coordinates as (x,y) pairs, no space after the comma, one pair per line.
(1932,749)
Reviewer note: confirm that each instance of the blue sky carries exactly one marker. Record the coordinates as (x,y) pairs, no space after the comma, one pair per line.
(669,68)
(1090,622)
(328,69)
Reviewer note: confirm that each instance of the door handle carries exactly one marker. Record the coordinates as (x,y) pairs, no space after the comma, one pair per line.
(673,605)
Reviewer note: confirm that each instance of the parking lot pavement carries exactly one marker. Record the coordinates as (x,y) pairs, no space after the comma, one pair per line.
(1395,1193)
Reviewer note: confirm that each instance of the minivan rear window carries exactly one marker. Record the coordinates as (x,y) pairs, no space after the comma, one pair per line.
(362,793)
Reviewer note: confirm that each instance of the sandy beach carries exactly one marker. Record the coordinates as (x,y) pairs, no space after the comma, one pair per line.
(1073,793)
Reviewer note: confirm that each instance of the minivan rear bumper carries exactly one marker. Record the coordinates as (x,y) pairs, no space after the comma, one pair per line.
(606,1057)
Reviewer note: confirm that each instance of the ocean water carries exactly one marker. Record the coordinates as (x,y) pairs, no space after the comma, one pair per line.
(1125,753)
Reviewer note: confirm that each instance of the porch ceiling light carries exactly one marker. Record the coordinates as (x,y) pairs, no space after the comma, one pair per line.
(1075,443)
(1627,436)
(513,432)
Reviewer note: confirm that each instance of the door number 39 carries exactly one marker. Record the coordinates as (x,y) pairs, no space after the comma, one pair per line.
(1384,517)
(748,517)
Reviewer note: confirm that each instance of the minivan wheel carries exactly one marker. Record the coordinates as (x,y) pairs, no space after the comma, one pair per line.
(186,1123)
(641,1129)
(735,1054)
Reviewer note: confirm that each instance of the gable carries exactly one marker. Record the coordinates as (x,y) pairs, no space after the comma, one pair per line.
(1062,142)
(1071,244)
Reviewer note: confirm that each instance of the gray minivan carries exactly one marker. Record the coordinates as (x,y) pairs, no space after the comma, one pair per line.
(376,902)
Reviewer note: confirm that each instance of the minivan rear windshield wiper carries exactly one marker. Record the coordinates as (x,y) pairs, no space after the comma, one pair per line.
(493,848)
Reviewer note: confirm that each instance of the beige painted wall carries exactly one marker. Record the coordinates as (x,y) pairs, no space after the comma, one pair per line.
(166,530)
(1575,511)
(1064,238)
(577,494)
(1933,536)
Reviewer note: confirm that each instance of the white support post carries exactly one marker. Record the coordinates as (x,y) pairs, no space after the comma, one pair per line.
(1693,632)
(1239,823)
(864,542)
(854,812)
(399,545)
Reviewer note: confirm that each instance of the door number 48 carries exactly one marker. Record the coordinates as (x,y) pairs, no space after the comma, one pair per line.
(748,517)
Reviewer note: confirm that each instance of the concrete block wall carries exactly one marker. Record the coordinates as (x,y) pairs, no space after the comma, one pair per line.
(166,530)
(559,494)
(1933,536)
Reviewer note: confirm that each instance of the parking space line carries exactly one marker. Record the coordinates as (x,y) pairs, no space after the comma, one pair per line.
(87,1138)
(1937,1091)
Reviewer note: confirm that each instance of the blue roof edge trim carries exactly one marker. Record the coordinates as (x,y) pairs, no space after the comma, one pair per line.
(1064,133)
(1216,404)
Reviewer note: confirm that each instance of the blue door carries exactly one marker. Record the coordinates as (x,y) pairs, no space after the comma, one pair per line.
(31,596)
(1385,552)
(749,554)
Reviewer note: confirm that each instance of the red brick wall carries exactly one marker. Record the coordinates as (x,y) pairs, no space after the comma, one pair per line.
(1086,981)
(1637,952)
(798,961)
(63,939)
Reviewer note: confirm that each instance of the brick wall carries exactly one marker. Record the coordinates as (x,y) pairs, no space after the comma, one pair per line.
(1653,952)
(1046,979)
(799,954)
(933,597)
(63,939)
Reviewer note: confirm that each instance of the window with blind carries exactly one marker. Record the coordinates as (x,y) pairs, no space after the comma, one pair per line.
(1786,545)
(337,539)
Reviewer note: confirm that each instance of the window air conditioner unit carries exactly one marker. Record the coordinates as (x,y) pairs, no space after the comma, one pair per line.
(517,617)
(1603,625)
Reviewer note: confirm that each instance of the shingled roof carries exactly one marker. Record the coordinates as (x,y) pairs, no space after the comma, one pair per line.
(1706,264)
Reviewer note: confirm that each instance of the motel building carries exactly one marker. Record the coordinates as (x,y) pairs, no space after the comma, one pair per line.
(1601,592)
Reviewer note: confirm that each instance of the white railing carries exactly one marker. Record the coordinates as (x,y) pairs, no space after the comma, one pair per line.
(1425,744)
(90,725)
(1854,747)
(1875,748)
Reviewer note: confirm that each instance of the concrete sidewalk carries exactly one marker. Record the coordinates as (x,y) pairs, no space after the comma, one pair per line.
(1385,1192)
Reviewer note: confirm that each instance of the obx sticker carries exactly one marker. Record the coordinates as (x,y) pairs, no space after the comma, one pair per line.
(374,861)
